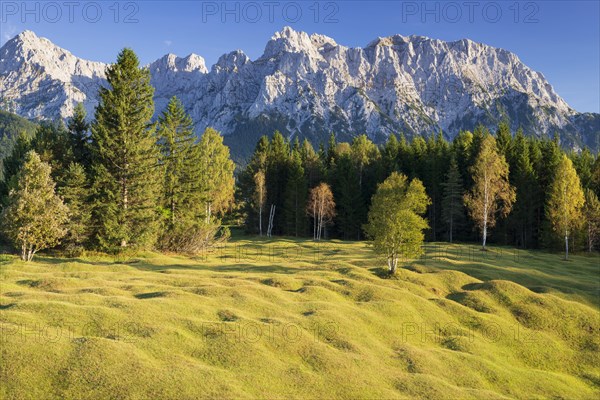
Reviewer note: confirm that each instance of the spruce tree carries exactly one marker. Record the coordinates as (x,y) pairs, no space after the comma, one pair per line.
(389,155)
(584,165)
(452,200)
(312,164)
(179,161)
(277,176)
(364,155)
(596,176)
(248,186)
(125,158)
(295,197)
(12,164)
(523,177)
(591,213)
(551,156)
(436,164)
(350,204)
(331,149)
(217,183)
(79,136)
(504,139)
(75,192)
(51,141)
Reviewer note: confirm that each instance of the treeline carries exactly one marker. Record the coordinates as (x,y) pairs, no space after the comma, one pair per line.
(281,175)
(120,182)
(124,181)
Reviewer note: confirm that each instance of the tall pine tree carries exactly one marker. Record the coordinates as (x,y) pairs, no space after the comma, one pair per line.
(295,197)
(125,158)
(453,213)
(79,136)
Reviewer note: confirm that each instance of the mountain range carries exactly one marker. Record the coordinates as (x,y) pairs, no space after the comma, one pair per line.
(308,86)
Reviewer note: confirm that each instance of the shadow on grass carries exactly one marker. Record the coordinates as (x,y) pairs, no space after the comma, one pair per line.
(150,295)
(242,268)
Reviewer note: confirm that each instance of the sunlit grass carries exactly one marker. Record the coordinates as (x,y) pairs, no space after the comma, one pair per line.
(285,319)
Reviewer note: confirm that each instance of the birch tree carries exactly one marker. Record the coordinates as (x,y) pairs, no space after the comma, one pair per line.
(260,196)
(492,195)
(321,207)
(565,202)
(396,225)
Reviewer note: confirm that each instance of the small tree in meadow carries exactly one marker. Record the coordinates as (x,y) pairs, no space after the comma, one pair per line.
(396,224)
(35,216)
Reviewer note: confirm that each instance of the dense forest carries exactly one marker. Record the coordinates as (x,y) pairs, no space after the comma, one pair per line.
(353,171)
(126,181)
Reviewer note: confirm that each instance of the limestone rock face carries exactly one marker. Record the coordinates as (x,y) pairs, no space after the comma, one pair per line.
(308,85)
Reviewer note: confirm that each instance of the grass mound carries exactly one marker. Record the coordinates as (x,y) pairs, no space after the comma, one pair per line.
(290,319)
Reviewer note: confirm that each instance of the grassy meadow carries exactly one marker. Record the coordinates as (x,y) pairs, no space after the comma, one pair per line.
(290,319)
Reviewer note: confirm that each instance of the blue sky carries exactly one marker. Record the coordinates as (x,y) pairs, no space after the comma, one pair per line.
(561,39)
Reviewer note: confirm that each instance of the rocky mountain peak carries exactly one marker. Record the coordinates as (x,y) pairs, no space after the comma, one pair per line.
(172,63)
(309,85)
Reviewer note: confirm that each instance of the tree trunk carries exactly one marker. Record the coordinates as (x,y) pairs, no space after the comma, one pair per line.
(260,221)
(208,212)
(392,264)
(566,246)
(315,221)
(484,234)
(485,210)
(172,210)
(125,190)
(30,253)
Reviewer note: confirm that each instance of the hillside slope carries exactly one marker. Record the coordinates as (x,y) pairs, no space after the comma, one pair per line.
(282,320)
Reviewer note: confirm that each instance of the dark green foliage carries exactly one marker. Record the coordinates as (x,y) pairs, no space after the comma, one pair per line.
(295,197)
(179,160)
(12,164)
(79,136)
(52,142)
(453,211)
(75,191)
(584,164)
(523,222)
(348,197)
(247,185)
(277,172)
(125,158)
(353,171)
(12,127)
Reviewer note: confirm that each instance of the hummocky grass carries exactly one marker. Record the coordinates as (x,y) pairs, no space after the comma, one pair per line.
(291,319)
